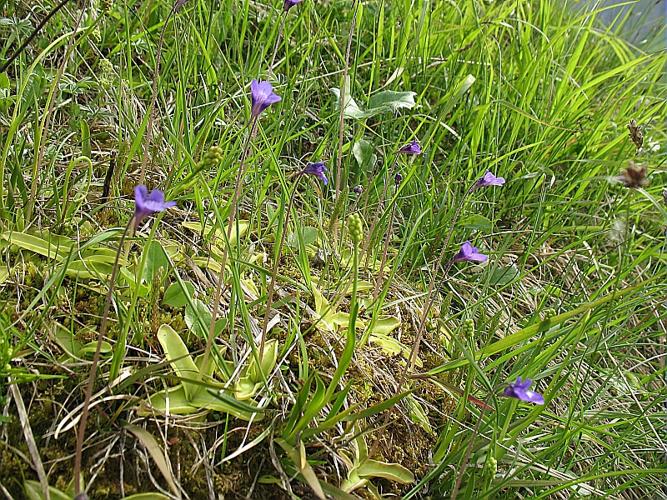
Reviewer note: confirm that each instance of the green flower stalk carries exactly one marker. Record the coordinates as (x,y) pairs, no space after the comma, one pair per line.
(317,170)
(379,282)
(262,96)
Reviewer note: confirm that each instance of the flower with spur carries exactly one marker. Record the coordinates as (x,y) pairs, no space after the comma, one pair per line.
(262,96)
(149,203)
(521,390)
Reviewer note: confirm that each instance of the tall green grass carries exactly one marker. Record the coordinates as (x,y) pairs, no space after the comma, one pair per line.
(573,295)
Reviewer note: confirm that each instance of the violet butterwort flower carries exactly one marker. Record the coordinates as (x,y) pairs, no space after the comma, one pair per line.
(262,97)
(469,253)
(520,390)
(317,169)
(290,3)
(489,180)
(149,203)
(411,149)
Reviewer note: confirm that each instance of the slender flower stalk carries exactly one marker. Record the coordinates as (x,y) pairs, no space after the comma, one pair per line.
(145,205)
(262,96)
(279,39)
(274,269)
(411,149)
(376,217)
(178,4)
(317,170)
(430,295)
(225,251)
(287,5)
(96,359)
(341,118)
(379,282)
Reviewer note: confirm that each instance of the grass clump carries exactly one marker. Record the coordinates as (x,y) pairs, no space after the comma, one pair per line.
(388,216)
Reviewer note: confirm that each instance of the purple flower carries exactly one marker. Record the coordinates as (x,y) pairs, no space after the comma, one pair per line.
(290,3)
(489,180)
(148,203)
(262,97)
(411,149)
(398,178)
(469,253)
(520,390)
(318,170)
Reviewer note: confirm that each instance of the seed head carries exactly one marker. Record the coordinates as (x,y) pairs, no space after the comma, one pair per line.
(634,176)
(636,134)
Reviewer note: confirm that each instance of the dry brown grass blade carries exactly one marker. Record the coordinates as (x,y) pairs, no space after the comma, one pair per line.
(153,447)
(30,439)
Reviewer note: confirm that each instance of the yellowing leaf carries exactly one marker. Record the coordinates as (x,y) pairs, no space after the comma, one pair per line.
(392,347)
(393,472)
(180,360)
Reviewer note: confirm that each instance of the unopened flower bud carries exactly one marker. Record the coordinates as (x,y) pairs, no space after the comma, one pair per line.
(355,227)
(212,157)
(548,313)
(469,328)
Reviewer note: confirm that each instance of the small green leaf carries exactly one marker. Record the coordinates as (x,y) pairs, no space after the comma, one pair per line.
(172,400)
(33,491)
(392,347)
(198,319)
(155,260)
(417,414)
(298,458)
(309,235)
(90,348)
(176,296)
(503,275)
(245,388)
(147,496)
(52,248)
(363,153)
(389,100)
(141,289)
(225,403)
(350,107)
(267,364)
(386,325)
(477,222)
(219,235)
